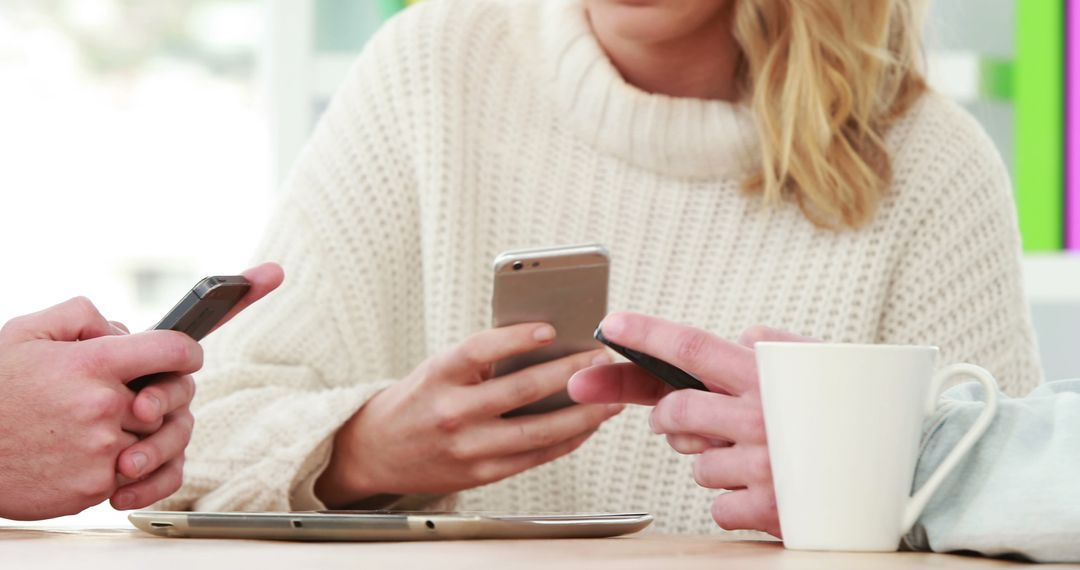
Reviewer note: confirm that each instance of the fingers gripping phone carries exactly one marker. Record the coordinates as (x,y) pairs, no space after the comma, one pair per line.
(200,311)
(564,286)
(672,375)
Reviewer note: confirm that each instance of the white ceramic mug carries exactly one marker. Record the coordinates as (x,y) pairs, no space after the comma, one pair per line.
(844,423)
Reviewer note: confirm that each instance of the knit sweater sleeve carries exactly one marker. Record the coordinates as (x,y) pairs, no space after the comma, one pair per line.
(957,283)
(284,376)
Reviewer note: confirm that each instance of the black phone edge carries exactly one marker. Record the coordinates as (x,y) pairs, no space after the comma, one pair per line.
(665,371)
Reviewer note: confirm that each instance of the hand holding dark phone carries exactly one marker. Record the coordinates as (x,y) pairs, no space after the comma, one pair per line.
(669,373)
(200,311)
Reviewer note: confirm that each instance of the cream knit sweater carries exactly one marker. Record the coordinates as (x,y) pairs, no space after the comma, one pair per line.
(469,127)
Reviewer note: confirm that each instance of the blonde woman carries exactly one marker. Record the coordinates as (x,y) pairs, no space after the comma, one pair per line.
(769,161)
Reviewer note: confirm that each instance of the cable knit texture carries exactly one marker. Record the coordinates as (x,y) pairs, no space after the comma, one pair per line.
(469,127)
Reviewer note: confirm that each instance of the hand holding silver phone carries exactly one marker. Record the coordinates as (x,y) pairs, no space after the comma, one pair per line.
(564,286)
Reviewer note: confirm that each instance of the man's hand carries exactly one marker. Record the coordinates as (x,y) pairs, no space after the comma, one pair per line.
(66,409)
(725,427)
(152,469)
(71,433)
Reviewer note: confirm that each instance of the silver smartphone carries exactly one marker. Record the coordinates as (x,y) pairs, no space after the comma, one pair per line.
(386,526)
(565,286)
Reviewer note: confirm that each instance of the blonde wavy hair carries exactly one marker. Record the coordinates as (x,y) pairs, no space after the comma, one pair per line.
(828,78)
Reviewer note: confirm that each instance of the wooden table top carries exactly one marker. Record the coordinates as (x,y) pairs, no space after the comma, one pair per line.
(112,549)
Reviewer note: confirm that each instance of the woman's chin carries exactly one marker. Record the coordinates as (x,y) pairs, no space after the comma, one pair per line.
(652,21)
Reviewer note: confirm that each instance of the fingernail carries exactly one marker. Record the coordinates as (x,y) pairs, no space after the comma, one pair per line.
(544,333)
(601,359)
(615,408)
(155,404)
(123,500)
(611,326)
(138,461)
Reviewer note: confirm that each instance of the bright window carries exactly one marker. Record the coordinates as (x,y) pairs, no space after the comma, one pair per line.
(134,153)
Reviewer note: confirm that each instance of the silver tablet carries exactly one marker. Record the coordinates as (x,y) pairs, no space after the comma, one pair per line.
(386,526)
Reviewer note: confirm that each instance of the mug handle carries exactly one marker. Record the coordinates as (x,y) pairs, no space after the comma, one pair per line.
(918,501)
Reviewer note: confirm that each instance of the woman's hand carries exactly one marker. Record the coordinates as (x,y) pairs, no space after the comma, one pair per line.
(440,429)
(724,427)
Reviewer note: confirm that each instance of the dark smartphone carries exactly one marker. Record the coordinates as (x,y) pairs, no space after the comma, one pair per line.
(200,311)
(665,371)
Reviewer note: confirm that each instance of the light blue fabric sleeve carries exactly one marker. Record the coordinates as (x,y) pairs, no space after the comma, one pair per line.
(1017,493)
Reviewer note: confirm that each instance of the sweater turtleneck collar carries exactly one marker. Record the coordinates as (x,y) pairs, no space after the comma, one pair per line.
(682,137)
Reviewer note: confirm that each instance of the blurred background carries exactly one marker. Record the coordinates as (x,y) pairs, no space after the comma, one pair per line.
(142,143)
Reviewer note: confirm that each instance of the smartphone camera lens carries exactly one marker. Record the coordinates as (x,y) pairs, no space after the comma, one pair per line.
(518,265)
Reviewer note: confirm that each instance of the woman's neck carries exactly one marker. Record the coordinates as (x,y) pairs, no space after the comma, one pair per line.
(700,65)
